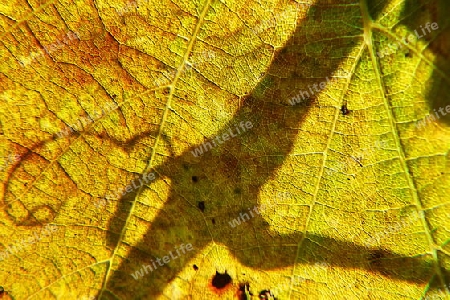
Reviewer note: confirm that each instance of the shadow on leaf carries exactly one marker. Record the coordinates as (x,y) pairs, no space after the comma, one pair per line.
(227,181)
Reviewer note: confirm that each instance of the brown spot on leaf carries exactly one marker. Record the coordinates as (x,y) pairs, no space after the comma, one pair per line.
(344,110)
(220,280)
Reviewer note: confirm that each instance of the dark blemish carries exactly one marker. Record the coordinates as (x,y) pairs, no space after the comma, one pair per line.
(220,281)
(166,91)
(213,221)
(237,190)
(195,267)
(201,205)
(114,96)
(3,292)
(242,291)
(344,110)
(407,54)
(194,178)
(186,166)
(244,286)
(265,294)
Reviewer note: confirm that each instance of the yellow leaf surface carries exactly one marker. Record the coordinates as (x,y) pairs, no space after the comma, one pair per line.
(225,149)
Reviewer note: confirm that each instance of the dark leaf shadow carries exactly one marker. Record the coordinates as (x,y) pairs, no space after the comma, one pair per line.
(428,24)
(419,17)
(227,180)
(437,11)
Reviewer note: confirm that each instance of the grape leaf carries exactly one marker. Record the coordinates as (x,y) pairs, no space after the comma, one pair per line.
(339,196)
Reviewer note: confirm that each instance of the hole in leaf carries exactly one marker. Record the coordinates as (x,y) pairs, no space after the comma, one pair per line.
(220,281)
